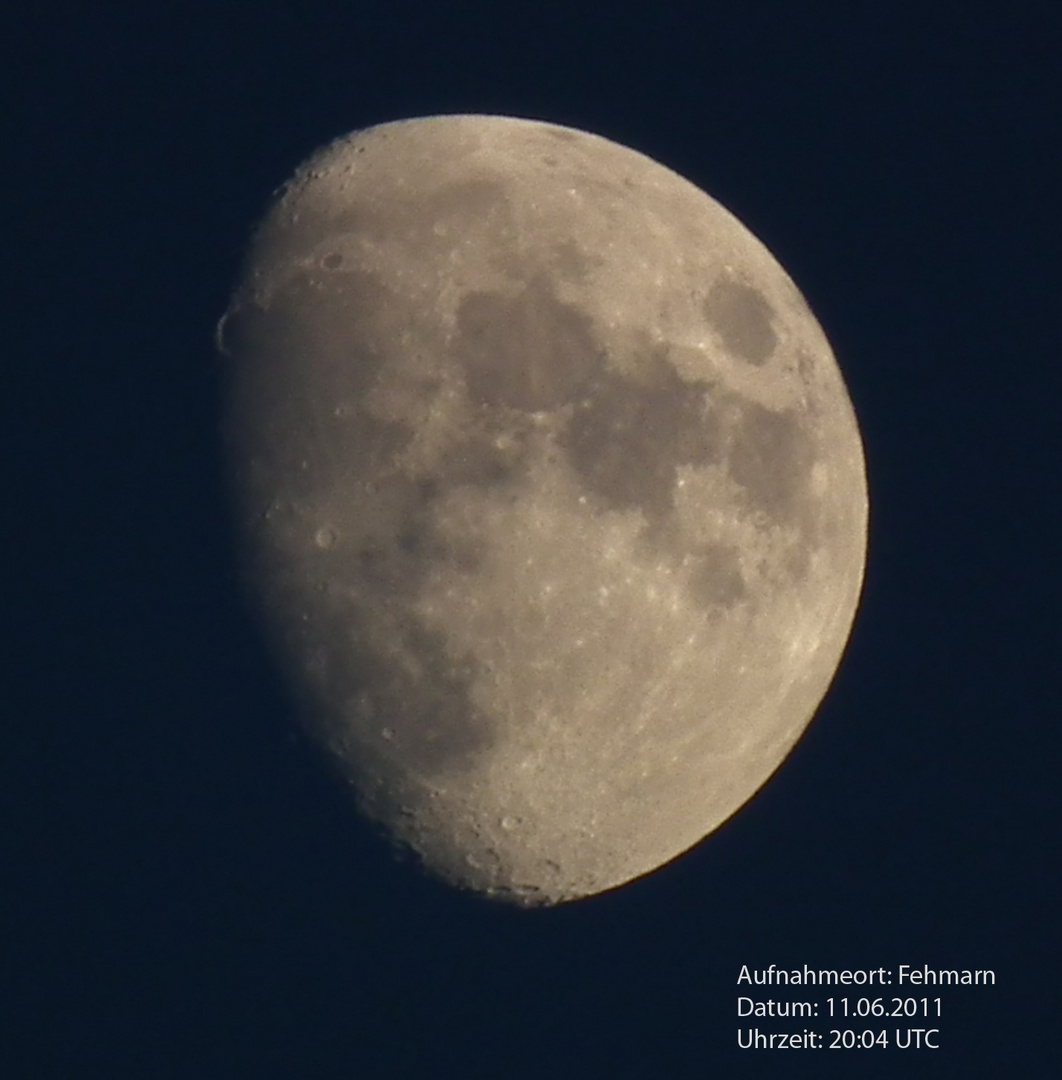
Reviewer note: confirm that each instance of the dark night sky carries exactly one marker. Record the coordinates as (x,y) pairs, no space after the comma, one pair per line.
(189,893)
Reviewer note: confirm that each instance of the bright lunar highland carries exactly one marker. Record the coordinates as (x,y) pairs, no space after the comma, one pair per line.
(551,491)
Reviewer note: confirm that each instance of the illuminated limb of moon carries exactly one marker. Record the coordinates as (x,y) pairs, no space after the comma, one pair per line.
(552,491)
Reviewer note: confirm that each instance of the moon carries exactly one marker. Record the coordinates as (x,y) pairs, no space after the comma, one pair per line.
(551,492)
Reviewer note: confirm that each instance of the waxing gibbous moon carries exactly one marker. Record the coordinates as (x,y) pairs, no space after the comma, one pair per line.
(551,491)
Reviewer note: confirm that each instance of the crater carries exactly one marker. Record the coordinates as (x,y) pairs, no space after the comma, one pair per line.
(741,316)
(326,538)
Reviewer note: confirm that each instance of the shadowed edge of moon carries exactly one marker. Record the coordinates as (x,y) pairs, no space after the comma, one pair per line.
(326,335)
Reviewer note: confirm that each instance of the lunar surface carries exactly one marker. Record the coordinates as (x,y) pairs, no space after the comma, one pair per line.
(551,491)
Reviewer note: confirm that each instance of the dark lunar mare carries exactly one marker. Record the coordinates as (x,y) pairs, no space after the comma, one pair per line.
(625,437)
(501,409)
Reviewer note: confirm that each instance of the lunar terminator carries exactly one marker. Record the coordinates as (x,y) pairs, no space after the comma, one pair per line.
(551,491)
